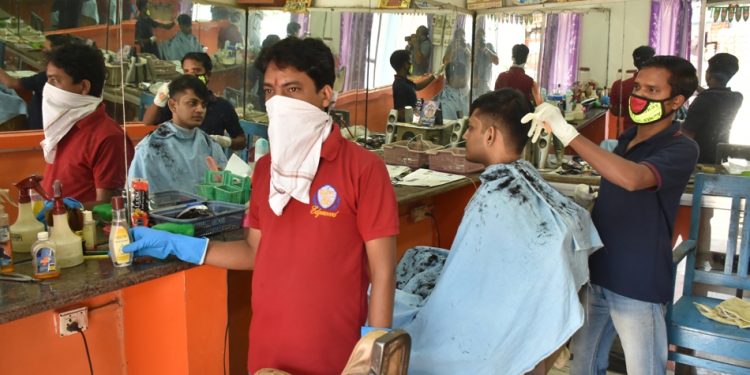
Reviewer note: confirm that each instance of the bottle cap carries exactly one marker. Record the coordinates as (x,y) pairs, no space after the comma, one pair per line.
(87,216)
(42,236)
(117,202)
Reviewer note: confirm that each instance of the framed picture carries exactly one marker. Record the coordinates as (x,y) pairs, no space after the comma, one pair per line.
(398,4)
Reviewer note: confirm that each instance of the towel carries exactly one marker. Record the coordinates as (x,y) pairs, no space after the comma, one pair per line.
(506,297)
(733,311)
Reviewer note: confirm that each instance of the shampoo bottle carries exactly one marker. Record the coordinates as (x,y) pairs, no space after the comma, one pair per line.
(69,246)
(118,234)
(26,226)
(89,231)
(44,257)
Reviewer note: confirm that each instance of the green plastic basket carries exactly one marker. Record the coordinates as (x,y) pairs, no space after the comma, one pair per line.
(207,191)
(216,177)
(229,194)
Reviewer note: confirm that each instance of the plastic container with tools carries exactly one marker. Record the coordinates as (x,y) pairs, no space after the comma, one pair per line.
(223,217)
(173,198)
(452,160)
(412,153)
(225,186)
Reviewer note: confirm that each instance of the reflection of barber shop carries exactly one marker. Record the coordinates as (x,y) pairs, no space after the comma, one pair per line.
(479,187)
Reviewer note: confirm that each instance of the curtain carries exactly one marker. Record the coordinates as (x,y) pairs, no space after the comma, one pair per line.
(669,29)
(355,39)
(562,38)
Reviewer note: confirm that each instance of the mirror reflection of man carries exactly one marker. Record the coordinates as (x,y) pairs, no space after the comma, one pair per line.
(420,48)
(516,78)
(621,89)
(483,60)
(220,114)
(144,28)
(181,43)
(36,83)
(458,50)
(82,145)
(405,90)
(454,98)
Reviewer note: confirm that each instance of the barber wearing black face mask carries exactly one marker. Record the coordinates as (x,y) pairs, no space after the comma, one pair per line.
(642,181)
(220,113)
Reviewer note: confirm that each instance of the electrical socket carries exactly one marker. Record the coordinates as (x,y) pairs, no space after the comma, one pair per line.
(419,213)
(79,315)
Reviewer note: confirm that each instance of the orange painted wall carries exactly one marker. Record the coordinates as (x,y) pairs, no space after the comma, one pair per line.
(171,325)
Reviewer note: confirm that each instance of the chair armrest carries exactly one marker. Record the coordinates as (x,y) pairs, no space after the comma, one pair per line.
(682,250)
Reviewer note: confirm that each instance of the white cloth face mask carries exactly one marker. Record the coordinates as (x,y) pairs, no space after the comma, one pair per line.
(60,111)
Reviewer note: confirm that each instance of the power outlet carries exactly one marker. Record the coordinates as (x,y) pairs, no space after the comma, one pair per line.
(65,318)
(419,213)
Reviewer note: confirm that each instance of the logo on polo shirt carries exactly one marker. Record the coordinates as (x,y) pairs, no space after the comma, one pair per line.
(325,202)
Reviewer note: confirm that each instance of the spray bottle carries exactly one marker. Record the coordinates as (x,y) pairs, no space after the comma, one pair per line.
(69,245)
(26,226)
(6,245)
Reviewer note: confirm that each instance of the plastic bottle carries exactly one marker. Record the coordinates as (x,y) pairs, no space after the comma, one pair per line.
(44,257)
(69,245)
(26,226)
(118,235)
(37,202)
(6,245)
(89,231)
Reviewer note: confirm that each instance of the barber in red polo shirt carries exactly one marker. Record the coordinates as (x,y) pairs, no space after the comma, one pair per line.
(83,147)
(516,77)
(621,90)
(323,220)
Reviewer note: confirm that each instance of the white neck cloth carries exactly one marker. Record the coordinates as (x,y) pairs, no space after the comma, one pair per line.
(60,111)
(296,132)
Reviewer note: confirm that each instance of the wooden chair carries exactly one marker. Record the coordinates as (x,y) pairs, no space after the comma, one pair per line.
(687,329)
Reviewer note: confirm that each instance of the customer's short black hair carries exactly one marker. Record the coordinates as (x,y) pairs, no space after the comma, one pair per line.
(200,57)
(399,58)
(80,62)
(188,82)
(683,79)
(641,55)
(505,108)
(309,55)
(723,66)
(184,20)
(56,40)
(520,53)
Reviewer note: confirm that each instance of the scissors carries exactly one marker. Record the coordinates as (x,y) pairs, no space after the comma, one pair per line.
(17,277)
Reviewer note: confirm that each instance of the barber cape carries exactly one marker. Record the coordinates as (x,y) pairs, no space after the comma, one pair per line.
(11,105)
(177,47)
(173,158)
(506,297)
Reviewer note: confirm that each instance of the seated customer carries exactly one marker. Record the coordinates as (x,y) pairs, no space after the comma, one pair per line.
(82,145)
(220,114)
(506,297)
(173,157)
(404,90)
(181,43)
(454,99)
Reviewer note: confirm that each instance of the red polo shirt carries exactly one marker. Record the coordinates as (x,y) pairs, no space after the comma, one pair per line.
(309,290)
(619,95)
(516,78)
(90,156)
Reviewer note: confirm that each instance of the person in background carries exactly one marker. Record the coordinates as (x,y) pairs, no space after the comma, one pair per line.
(454,99)
(405,90)
(256,76)
(325,213)
(420,48)
(229,31)
(516,77)
(483,60)
(181,43)
(173,157)
(144,29)
(36,83)
(711,114)
(620,91)
(292,29)
(642,182)
(458,50)
(84,148)
(220,114)
(66,14)
(511,321)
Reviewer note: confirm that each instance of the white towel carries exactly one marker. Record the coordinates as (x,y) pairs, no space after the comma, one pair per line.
(60,111)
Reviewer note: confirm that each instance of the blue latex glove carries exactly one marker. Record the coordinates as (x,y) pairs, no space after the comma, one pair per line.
(367,329)
(69,203)
(161,244)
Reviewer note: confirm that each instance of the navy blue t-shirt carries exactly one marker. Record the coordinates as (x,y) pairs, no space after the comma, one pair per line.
(35,84)
(404,93)
(220,116)
(636,227)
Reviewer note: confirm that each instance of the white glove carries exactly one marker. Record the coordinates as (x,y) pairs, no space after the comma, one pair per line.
(162,95)
(548,114)
(222,140)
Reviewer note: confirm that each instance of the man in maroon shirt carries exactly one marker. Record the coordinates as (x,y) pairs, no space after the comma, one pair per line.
(84,148)
(515,77)
(621,90)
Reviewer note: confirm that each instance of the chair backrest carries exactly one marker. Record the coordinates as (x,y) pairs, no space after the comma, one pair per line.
(728,150)
(734,189)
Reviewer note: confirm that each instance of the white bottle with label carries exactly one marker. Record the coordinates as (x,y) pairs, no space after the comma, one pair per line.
(69,246)
(44,257)
(89,231)
(118,235)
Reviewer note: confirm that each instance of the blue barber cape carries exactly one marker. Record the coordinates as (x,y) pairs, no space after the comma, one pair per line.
(506,297)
